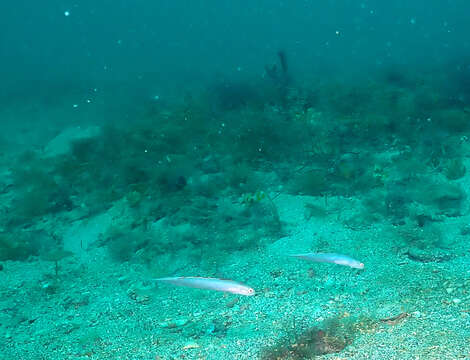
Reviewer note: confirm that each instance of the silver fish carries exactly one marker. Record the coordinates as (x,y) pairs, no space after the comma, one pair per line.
(331,258)
(210,284)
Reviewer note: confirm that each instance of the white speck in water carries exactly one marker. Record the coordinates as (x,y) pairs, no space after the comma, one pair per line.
(66,13)
(412,21)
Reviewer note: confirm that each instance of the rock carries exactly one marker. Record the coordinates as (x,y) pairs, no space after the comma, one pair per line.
(62,143)
(174,323)
(428,255)
(81,234)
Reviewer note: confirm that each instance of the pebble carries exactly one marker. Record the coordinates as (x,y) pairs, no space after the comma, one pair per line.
(191,346)
(174,323)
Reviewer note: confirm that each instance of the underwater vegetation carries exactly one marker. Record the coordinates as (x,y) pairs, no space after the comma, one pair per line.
(231,95)
(37,192)
(329,337)
(191,186)
(20,245)
(56,256)
(213,164)
(226,95)
(458,77)
(13,249)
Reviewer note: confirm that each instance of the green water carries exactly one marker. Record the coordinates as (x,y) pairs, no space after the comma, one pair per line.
(148,140)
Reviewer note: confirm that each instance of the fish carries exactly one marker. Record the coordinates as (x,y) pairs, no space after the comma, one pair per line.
(331,258)
(229,286)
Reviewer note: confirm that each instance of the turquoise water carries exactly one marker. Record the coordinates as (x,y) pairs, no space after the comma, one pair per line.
(205,143)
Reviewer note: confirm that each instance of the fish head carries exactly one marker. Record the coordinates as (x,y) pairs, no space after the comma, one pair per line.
(246,291)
